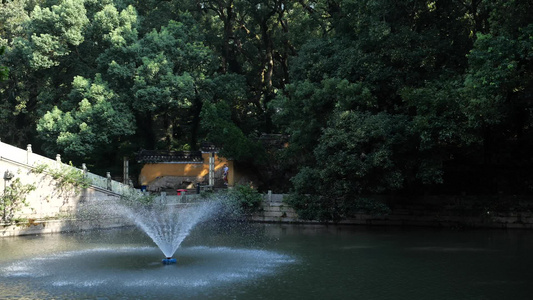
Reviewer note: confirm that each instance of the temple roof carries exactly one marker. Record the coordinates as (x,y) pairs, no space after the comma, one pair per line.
(157,156)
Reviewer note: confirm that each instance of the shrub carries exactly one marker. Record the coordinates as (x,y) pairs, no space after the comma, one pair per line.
(13,198)
(242,200)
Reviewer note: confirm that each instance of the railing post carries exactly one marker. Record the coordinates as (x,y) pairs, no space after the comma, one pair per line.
(58,160)
(108,176)
(126,171)
(28,154)
(212,169)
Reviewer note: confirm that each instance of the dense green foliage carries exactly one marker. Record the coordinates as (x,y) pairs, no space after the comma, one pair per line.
(410,97)
(3,70)
(241,200)
(376,96)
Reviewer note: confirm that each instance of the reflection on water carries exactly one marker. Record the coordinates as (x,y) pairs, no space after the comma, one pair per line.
(261,261)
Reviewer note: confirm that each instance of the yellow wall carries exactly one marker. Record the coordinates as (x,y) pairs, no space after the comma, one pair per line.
(150,172)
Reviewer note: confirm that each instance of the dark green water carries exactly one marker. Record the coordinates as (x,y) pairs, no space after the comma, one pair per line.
(261,261)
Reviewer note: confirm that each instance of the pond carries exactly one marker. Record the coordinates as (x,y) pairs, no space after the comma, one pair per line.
(272,261)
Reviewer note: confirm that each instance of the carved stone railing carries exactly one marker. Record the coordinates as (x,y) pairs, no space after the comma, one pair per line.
(32,160)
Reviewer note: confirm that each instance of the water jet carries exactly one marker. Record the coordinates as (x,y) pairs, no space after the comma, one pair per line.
(168,224)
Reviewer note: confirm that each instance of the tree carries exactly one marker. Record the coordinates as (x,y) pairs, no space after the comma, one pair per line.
(450,79)
(56,30)
(4,71)
(146,89)
(498,89)
(358,154)
(15,91)
(160,77)
(380,63)
(221,131)
(93,128)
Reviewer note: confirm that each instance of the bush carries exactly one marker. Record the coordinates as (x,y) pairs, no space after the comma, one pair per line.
(242,200)
(13,198)
(325,209)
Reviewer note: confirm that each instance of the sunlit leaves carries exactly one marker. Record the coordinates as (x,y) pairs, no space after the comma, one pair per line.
(55,29)
(93,125)
(4,71)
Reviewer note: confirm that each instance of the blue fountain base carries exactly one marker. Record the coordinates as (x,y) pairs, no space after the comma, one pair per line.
(168,261)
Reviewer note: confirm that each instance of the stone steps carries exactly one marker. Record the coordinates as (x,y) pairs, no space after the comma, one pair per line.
(276,211)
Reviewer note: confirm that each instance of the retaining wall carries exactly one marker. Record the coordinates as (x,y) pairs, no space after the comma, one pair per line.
(51,199)
(36,227)
(274,210)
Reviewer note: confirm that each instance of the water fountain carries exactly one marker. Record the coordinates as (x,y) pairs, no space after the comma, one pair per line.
(124,262)
(168,224)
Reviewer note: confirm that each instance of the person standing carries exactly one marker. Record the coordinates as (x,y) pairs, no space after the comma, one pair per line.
(225,170)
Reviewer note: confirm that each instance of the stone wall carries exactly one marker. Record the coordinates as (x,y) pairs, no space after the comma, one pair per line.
(36,227)
(52,199)
(276,211)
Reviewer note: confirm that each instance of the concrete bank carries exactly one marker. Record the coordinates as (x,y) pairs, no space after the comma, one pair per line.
(274,210)
(47,201)
(38,227)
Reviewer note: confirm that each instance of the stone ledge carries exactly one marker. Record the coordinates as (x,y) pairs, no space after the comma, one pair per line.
(282,213)
(56,226)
